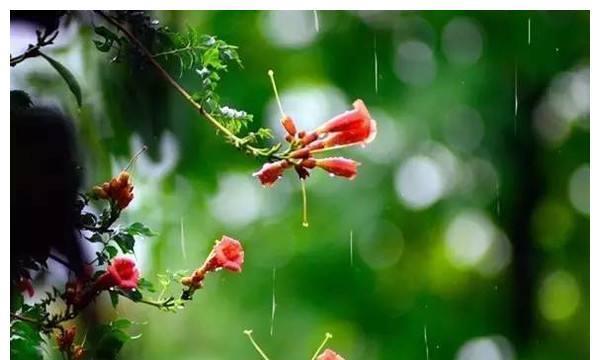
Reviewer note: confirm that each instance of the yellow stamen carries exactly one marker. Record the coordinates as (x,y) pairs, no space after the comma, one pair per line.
(327,337)
(270,72)
(258,349)
(304,205)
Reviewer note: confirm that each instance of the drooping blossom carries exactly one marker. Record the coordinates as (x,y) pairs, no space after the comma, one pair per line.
(329,354)
(353,127)
(121,273)
(119,189)
(271,172)
(24,285)
(227,253)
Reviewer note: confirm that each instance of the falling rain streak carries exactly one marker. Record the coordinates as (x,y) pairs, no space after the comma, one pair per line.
(182,240)
(351,249)
(376,66)
(528,31)
(516,99)
(426,344)
(497,198)
(273,305)
(316,15)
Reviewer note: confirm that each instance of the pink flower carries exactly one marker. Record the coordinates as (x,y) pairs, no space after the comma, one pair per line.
(329,354)
(339,166)
(228,254)
(121,273)
(271,172)
(349,120)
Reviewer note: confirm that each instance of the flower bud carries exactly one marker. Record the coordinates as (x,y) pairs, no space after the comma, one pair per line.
(288,125)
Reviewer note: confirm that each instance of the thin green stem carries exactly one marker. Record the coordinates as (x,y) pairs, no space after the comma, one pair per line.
(237,142)
(256,346)
(304,204)
(327,337)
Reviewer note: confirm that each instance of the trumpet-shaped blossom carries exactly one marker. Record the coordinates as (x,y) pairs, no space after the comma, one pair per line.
(121,273)
(271,172)
(339,166)
(348,120)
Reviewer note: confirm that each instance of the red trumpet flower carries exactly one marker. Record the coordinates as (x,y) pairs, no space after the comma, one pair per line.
(339,166)
(271,172)
(121,273)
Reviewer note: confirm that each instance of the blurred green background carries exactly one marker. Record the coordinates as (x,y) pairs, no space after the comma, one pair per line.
(465,235)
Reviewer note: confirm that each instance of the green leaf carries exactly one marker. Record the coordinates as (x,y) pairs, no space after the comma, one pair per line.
(121,323)
(139,229)
(144,284)
(25,341)
(67,76)
(114,298)
(135,295)
(111,251)
(16,300)
(125,241)
(96,238)
(88,219)
(19,100)
(109,38)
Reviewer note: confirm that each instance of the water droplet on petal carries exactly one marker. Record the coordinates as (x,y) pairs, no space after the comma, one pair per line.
(332,175)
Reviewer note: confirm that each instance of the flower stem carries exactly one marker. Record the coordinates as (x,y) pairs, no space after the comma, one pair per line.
(270,72)
(304,204)
(256,346)
(327,337)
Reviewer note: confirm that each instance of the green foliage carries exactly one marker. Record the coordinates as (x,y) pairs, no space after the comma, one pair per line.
(25,341)
(26,335)
(110,338)
(139,229)
(67,76)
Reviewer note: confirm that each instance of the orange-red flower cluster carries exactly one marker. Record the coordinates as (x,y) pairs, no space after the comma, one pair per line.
(226,254)
(350,128)
(119,189)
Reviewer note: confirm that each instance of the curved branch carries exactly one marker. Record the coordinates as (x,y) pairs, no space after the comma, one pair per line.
(237,142)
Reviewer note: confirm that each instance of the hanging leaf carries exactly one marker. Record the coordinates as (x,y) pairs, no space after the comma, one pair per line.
(67,76)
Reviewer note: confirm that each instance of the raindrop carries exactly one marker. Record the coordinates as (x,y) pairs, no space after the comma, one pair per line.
(376,65)
(273,304)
